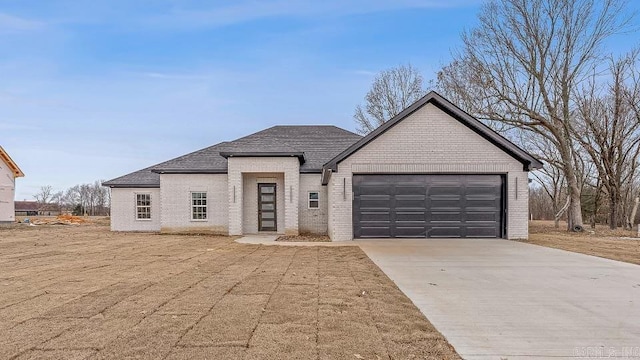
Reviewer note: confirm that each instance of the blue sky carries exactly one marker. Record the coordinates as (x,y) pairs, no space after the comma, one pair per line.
(95,89)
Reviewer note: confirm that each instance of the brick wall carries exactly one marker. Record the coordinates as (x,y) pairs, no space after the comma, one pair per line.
(175,192)
(240,166)
(123,210)
(428,141)
(312,220)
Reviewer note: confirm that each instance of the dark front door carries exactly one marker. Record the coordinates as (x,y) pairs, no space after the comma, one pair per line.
(428,206)
(267,207)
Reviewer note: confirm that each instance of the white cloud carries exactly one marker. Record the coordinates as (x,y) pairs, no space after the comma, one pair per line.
(244,11)
(10,24)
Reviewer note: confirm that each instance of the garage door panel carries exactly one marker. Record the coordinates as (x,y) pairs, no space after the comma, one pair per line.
(377,189)
(375,202)
(482,232)
(488,190)
(374,232)
(427,205)
(445,216)
(481,203)
(410,232)
(445,232)
(409,202)
(368,216)
(490,216)
(444,190)
(410,216)
(412,189)
(450,203)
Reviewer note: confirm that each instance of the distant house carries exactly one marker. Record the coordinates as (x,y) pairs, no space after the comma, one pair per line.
(9,171)
(33,208)
(26,208)
(432,171)
(49,210)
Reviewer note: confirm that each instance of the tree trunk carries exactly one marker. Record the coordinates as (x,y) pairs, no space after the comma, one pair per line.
(574,215)
(632,219)
(596,204)
(613,210)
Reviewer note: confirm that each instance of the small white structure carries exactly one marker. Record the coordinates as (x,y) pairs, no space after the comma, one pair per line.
(9,171)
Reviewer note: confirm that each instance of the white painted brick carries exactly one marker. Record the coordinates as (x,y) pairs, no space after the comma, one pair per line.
(312,221)
(241,169)
(176,192)
(123,210)
(428,141)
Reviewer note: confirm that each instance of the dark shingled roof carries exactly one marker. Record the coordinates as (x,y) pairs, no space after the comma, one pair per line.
(314,144)
(140,179)
(26,205)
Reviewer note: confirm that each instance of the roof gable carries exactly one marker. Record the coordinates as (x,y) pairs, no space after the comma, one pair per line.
(4,156)
(528,161)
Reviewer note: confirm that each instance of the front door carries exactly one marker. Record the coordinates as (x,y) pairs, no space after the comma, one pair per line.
(267,207)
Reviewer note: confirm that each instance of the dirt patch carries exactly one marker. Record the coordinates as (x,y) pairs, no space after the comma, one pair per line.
(82,292)
(620,244)
(304,238)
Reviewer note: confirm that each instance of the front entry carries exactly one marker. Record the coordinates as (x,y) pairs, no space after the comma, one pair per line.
(267,207)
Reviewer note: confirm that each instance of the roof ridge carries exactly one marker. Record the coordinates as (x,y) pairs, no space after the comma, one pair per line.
(265,130)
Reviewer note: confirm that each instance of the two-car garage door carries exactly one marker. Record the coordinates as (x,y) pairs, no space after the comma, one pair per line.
(419,206)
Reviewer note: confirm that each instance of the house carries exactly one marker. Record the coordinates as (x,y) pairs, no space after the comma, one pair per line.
(33,208)
(26,208)
(9,171)
(431,171)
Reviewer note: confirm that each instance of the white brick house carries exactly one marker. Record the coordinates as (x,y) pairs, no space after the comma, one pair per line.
(431,171)
(9,171)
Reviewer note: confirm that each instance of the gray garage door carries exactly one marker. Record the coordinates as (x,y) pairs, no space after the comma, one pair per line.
(419,206)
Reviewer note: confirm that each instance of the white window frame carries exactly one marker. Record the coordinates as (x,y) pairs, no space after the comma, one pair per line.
(309,200)
(138,207)
(192,206)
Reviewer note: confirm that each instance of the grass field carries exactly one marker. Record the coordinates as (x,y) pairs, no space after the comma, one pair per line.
(83,292)
(621,245)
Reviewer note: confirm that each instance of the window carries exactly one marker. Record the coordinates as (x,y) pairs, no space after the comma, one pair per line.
(198,206)
(314,202)
(143,206)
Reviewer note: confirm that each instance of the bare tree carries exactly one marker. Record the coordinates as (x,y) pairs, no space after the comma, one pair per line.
(540,206)
(525,59)
(609,131)
(551,177)
(44,195)
(392,91)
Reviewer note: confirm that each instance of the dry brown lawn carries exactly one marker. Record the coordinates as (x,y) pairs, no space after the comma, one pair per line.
(621,245)
(82,292)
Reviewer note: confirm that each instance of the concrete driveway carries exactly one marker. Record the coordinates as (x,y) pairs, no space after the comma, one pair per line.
(496,299)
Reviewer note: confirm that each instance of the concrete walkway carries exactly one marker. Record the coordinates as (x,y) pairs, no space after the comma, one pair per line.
(497,299)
